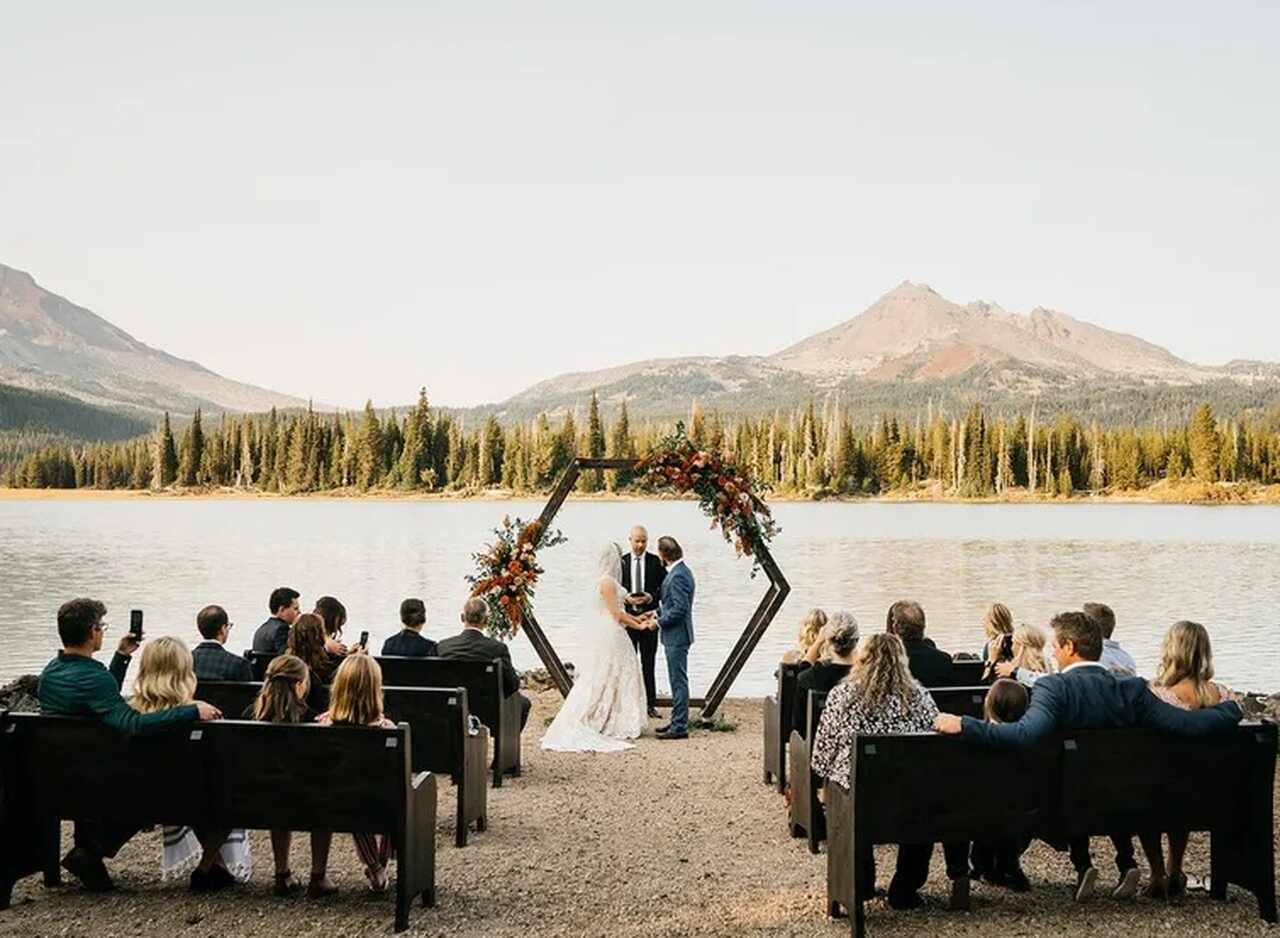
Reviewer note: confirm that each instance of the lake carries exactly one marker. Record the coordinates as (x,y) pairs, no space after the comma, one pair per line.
(1154,564)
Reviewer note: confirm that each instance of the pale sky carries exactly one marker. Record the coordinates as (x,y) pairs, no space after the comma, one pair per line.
(350,201)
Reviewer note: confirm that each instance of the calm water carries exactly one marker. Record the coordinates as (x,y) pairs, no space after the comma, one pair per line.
(1152,564)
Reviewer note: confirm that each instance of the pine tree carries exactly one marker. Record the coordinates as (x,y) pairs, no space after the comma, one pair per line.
(370,454)
(166,458)
(1205,444)
(593,480)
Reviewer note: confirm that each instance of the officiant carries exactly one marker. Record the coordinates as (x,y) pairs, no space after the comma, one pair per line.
(642,575)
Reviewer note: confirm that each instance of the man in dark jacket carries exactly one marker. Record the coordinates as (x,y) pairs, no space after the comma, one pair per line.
(473,645)
(929,666)
(74,684)
(272,636)
(211,659)
(409,643)
(1086,695)
(641,576)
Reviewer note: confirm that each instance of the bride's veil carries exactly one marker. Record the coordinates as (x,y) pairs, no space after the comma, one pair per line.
(610,562)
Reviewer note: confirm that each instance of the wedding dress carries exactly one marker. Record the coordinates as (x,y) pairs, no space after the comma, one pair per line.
(606,705)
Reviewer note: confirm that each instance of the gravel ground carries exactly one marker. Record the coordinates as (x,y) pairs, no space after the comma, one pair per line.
(668,839)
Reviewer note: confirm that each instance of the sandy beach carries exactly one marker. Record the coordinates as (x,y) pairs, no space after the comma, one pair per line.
(670,839)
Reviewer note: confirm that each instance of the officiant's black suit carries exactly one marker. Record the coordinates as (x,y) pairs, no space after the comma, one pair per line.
(645,640)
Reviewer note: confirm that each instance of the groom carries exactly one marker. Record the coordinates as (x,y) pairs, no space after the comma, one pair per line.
(675,624)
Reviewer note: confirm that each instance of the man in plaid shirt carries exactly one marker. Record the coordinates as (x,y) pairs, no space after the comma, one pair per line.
(212,661)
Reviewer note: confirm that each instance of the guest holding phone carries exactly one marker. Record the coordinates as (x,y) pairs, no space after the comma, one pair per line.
(283,699)
(356,700)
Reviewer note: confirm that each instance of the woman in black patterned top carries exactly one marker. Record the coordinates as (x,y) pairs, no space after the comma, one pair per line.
(880,697)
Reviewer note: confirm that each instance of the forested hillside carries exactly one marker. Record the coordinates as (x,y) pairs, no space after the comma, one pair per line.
(811,451)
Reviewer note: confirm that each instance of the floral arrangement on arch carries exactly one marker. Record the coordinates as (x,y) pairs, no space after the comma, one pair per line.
(724,489)
(507,572)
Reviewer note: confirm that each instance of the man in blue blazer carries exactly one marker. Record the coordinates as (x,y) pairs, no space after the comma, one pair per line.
(675,625)
(1086,695)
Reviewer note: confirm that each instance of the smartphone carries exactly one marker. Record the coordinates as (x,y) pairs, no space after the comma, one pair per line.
(135,623)
(364,639)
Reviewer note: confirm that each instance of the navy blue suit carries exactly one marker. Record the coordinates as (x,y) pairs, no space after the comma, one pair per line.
(1092,697)
(675,626)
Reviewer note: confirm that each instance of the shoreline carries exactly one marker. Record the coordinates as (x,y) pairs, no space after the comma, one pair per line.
(1162,493)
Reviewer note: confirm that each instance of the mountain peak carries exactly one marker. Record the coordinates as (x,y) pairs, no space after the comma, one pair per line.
(48,343)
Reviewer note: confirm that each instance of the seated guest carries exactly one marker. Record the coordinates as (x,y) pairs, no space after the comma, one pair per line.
(473,645)
(999,861)
(283,699)
(273,635)
(212,660)
(810,635)
(841,637)
(334,616)
(1183,680)
(881,697)
(1113,656)
(1086,695)
(306,641)
(998,628)
(215,859)
(930,667)
(1029,662)
(356,700)
(409,643)
(74,684)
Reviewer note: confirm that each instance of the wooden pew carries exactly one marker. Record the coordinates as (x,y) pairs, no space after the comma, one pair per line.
(225,774)
(1083,783)
(965,673)
(778,709)
(961,701)
(805,816)
(440,722)
(492,703)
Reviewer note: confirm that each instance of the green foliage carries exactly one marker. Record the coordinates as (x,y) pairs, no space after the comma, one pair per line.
(809,451)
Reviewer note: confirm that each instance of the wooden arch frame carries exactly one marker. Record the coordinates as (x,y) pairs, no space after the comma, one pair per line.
(751,635)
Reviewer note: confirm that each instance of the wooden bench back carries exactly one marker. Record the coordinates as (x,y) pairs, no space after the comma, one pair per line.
(482,680)
(927,788)
(786,694)
(438,717)
(962,701)
(965,674)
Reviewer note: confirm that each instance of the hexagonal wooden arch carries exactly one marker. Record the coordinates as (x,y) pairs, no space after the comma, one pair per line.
(751,635)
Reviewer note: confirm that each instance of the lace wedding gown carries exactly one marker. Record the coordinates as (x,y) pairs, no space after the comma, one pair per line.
(606,705)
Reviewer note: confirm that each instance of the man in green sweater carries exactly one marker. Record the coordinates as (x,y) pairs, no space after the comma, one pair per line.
(74,684)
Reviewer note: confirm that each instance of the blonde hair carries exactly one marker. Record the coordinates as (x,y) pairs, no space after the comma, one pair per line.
(880,670)
(1028,648)
(1187,656)
(166,677)
(813,623)
(356,695)
(999,620)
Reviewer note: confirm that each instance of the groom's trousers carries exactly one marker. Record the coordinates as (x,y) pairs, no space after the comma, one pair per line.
(678,675)
(646,643)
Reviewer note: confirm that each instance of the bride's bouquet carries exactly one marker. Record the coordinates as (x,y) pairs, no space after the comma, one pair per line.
(507,571)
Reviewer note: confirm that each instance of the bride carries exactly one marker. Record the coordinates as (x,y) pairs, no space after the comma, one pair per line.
(606,705)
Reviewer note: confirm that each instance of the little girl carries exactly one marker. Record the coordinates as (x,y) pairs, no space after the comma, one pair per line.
(999,861)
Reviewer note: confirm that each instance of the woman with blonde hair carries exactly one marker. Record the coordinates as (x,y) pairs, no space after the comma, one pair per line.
(997,626)
(880,697)
(1183,680)
(356,700)
(811,635)
(215,860)
(1029,644)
